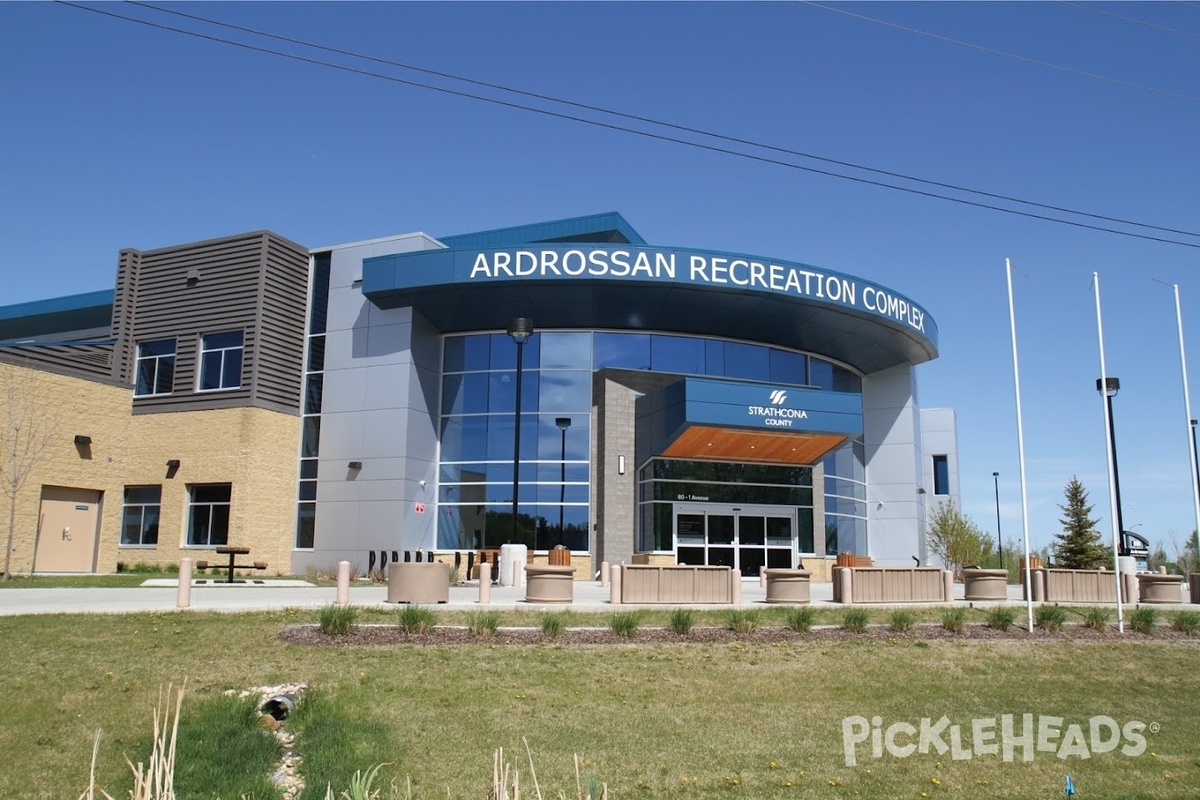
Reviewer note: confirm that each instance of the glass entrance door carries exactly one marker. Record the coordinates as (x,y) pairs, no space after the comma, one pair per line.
(743,537)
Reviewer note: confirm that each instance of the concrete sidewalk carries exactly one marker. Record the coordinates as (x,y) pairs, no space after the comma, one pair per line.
(284,594)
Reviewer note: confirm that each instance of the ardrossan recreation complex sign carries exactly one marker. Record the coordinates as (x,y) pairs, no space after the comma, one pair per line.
(636,264)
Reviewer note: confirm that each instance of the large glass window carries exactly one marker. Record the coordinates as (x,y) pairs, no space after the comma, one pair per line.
(155,368)
(139,517)
(221,361)
(208,514)
(941,475)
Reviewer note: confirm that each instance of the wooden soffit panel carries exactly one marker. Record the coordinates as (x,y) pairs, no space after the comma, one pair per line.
(768,447)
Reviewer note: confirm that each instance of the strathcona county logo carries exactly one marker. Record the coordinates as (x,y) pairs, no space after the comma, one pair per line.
(775,415)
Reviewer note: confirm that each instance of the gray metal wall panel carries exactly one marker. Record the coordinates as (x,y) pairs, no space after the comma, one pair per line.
(91,361)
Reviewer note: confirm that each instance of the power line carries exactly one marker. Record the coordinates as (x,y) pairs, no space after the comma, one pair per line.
(625,129)
(1006,54)
(1134,20)
(664,124)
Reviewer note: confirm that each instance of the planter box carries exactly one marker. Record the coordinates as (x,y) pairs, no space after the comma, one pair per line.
(643,583)
(788,585)
(892,585)
(985,584)
(549,583)
(1155,588)
(418,583)
(1081,586)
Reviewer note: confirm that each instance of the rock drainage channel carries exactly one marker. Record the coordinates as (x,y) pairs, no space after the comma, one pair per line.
(275,705)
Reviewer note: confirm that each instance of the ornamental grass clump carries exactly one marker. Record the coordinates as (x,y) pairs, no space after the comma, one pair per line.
(337,620)
(554,623)
(855,620)
(800,619)
(1001,618)
(741,620)
(483,623)
(1050,618)
(412,618)
(954,619)
(1096,618)
(681,621)
(1186,622)
(1143,619)
(901,620)
(625,623)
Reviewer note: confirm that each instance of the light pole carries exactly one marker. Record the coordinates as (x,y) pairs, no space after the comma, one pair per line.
(1195,455)
(999,544)
(563,423)
(1109,388)
(520,329)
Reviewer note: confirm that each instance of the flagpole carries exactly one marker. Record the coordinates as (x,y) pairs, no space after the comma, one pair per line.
(1012,324)
(1112,481)
(1187,406)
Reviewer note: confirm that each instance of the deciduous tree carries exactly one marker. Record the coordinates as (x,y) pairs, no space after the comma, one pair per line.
(956,539)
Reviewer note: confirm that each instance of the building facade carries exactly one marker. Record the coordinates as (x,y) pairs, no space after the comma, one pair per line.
(563,383)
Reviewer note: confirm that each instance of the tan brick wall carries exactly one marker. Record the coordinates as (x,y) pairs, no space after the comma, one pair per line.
(253,449)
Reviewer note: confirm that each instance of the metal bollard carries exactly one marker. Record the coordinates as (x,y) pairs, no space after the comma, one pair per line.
(183,597)
(614,584)
(735,588)
(343,583)
(604,574)
(485,583)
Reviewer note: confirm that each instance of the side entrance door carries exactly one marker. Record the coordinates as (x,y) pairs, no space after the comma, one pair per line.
(69,526)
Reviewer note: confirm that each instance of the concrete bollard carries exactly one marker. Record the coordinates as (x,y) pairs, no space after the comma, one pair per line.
(762,577)
(614,585)
(604,574)
(183,597)
(948,590)
(517,570)
(845,591)
(735,589)
(485,583)
(343,583)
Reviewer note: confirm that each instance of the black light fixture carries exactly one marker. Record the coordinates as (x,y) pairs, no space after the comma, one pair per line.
(354,465)
(1195,454)
(173,463)
(520,329)
(563,423)
(83,441)
(1109,388)
(999,542)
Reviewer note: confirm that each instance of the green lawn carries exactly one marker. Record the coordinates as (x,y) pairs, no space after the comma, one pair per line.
(661,721)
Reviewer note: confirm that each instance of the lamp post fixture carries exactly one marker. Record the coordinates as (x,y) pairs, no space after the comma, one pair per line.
(999,544)
(1109,388)
(520,329)
(563,423)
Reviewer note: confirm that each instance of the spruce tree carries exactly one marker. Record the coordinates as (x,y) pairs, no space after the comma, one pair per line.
(1078,546)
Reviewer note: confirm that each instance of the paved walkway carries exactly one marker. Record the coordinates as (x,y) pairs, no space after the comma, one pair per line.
(278,595)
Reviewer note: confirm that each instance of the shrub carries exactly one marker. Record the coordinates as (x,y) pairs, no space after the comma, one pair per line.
(337,620)
(483,623)
(1186,622)
(742,620)
(1096,618)
(681,621)
(554,623)
(1143,619)
(625,623)
(1001,617)
(855,620)
(800,619)
(1050,618)
(412,618)
(953,619)
(901,620)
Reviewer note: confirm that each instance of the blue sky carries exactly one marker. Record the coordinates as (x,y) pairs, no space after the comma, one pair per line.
(119,135)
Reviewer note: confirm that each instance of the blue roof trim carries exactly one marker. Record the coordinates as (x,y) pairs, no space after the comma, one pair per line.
(57,305)
(607,228)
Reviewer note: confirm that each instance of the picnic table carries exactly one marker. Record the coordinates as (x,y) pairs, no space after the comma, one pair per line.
(233,553)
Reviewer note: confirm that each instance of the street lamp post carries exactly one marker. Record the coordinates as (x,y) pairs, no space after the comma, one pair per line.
(1109,388)
(999,543)
(563,423)
(520,329)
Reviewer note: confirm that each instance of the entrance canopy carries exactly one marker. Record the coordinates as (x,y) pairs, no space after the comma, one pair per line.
(697,418)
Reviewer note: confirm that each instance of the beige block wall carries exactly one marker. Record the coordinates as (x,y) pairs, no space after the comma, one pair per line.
(250,448)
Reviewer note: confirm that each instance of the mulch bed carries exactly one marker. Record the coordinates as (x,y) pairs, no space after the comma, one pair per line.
(457,635)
